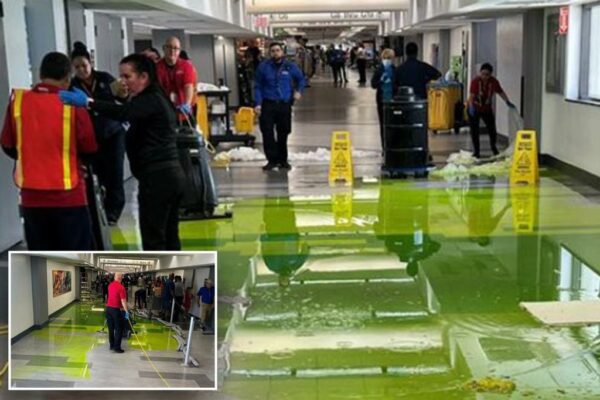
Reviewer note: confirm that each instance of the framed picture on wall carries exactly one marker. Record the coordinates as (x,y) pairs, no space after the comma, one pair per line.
(61,282)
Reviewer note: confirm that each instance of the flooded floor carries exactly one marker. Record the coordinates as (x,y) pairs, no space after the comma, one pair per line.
(72,351)
(404,289)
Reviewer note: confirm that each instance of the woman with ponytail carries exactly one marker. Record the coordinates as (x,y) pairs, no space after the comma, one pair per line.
(151,148)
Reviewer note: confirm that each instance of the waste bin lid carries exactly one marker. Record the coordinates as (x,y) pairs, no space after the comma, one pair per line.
(405,93)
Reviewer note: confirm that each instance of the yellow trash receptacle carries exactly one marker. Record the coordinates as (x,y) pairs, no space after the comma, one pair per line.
(244,120)
(442,99)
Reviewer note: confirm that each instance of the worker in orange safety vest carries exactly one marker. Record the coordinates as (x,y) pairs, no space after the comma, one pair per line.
(46,138)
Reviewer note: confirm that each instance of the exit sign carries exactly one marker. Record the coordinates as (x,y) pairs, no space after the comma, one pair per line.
(563,21)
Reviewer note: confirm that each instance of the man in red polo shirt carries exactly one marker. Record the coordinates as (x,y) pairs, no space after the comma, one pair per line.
(46,139)
(176,76)
(117,300)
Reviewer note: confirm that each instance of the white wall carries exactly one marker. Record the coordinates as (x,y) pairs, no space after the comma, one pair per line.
(56,303)
(509,68)
(430,39)
(456,37)
(21,297)
(570,130)
(14,73)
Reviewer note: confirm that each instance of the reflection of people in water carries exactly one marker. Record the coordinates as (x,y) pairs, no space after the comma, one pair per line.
(480,210)
(404,225)
(282,248)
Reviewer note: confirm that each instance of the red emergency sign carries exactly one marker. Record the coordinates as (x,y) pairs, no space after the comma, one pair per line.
(563,21)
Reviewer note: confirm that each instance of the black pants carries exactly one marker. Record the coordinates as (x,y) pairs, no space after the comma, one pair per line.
(275,116)
(335,68)
(178,305)
(108,165)
(116,326)
(140,298)
(342,72)
(380,115)
(362,70)
(159,195)
(490,122)
(58,228)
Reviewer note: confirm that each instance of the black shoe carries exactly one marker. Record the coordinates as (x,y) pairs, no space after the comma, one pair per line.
(285,165)
(119,351)
(269,167)
(112,348)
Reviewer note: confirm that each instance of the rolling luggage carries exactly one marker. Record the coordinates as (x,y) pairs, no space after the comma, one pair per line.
(200,197)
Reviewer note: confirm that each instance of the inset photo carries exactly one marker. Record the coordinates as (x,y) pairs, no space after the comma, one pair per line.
(112,321)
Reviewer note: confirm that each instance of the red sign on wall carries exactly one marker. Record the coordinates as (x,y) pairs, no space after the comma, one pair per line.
(261,21)
(563,21)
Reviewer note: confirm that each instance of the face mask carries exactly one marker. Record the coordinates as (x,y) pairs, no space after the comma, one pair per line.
(387,63)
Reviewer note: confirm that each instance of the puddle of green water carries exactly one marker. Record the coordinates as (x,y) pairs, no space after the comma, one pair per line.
(406,290)
(70,336)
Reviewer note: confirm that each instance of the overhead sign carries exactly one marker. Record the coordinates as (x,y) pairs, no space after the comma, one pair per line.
(525,168)
(340,165)
(563,21)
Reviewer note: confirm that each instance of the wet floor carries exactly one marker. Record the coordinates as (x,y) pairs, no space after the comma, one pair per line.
(71,351)
(404,289)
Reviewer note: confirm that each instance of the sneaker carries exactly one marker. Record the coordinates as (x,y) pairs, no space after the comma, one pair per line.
(285,165)
(269,167)
(119,351)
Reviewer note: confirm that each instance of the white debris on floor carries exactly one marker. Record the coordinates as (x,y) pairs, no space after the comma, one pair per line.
(463,163)
(245,154)
(240,154)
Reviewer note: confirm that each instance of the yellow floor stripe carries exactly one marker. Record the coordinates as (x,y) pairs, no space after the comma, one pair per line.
(147,356)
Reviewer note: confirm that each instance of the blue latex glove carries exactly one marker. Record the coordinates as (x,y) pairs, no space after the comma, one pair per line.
(511,105)
(185,108)
(127,315)
(74,97)
(471,110)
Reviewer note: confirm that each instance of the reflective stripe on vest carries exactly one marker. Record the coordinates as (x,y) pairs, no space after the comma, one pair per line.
(48,160)
(19,124)
(67,147)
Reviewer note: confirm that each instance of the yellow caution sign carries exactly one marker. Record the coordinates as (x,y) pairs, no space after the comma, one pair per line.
(341,204)
(524,201)
(244,120)
(340,165)
(525,168)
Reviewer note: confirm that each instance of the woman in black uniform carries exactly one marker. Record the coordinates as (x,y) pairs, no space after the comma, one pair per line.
(151,148)
(110,134)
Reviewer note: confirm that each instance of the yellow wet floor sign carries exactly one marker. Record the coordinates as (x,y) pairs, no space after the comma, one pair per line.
(524,201)
(340,165)
(341,204)
(525,168)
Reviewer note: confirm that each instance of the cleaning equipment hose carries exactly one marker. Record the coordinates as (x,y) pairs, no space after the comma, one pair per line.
(146,354)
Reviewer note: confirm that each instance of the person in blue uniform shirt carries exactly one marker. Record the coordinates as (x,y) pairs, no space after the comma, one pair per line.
(278,83)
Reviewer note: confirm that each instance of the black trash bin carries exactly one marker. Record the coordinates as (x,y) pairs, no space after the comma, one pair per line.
(405,147)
